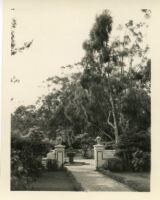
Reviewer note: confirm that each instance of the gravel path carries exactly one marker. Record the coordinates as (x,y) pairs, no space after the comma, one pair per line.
(92,180)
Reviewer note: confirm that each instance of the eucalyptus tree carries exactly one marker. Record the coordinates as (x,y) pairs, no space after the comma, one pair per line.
(111,67)
(64,109)
(15,49)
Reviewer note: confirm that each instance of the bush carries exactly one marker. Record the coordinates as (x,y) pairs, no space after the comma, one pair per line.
(126,156)
(141,161)
(71,154)
(134,150)
(114,164)
(87,143)
(52,165)
(22,183)
(139,140)
(109,145)
(29,155)
(26,162)
(76,144)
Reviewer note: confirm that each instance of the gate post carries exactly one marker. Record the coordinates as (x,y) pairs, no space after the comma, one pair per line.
(59,151)
(98,153)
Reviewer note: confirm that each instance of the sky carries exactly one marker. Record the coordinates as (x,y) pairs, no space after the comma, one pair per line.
(58,30)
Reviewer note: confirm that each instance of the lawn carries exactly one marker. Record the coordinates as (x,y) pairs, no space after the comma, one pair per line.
(138,181)
(56,181)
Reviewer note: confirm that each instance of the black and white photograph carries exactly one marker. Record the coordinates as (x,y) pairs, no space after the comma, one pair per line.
(77,80)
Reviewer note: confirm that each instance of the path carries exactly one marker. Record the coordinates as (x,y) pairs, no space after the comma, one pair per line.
(54,181)
(92,180)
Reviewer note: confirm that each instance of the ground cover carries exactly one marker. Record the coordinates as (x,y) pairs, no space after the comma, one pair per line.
(138,181)
(56,181)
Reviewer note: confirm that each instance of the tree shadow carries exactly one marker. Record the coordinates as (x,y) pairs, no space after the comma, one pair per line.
(76,163)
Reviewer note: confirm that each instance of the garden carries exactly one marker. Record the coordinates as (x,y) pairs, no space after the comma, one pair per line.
(108,96)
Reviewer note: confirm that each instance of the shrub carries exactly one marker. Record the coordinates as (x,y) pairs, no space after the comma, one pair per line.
(70,154)
(114,164)
(29,155)
(133,141)
(134,150)
(141,161)
(52,165)
(109,145)
(76,144)
(126,156)
(26,162)
(22,183)
(87,143)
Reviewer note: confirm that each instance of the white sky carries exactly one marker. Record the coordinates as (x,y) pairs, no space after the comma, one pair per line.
(58,29)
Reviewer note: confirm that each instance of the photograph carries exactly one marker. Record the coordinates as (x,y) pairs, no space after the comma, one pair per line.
(78,75)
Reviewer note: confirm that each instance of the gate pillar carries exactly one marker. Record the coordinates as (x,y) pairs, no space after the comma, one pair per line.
(59,153)
(98,153)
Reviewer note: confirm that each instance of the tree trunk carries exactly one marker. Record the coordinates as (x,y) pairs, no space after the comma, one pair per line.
(113,113)
(115,120)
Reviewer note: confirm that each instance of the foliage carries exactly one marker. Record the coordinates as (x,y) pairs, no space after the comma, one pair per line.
(109,145)
(136,108)
(26,163)
(85,142)
(109,97)
(141,161)
(23,119)
(114,164)
(76,144)
(66,114)
(132,141)
(22,183)
(52,165)
(14,48)
(131,146)
(117,77)
(71,154)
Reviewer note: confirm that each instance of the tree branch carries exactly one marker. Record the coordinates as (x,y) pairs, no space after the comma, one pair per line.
(109,121)
(67,116)
(27,135)
(106,134)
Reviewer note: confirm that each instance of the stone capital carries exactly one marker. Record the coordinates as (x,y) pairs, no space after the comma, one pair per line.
(59,146)
(99,147)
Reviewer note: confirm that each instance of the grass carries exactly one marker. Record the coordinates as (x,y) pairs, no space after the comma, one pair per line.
(61,180)
(138,181)
(77,185)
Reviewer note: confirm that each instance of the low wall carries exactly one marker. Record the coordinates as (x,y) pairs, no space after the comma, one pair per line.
(100,155)
(57,154)
(108,154)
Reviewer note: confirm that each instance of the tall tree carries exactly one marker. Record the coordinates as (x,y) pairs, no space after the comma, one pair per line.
(98,58)
(114,65)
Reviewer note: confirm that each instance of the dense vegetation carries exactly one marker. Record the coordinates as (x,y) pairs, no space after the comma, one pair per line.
(109,96)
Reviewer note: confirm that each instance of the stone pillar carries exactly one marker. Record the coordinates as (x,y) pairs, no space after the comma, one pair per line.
(59,153)
(98,153)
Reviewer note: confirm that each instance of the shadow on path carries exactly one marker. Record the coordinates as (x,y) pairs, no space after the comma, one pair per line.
(76,163)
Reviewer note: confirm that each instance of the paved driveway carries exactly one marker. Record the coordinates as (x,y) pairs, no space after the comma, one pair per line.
(91,180)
